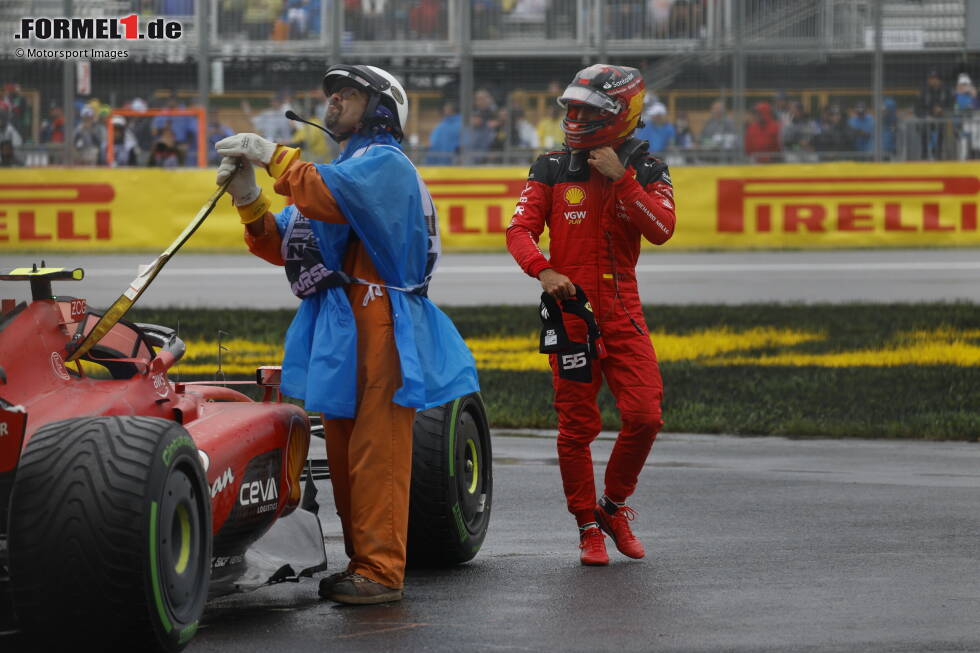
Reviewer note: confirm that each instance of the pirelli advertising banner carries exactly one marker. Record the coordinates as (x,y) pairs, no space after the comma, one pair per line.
(745,207)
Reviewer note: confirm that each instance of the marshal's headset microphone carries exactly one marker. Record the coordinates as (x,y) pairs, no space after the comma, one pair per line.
(292,116)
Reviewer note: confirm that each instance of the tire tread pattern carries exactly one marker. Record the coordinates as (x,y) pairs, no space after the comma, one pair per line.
(433,536)
(77,517)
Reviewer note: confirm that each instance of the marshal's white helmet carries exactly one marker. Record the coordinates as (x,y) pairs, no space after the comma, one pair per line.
(387,107)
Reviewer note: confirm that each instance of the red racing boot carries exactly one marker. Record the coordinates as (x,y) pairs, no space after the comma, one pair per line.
(615,520)
(593,545)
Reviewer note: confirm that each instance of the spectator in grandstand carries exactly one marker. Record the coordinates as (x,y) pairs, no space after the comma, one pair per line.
(165,153)
(686,19)
(89,138)
(531,11)
(485,19)
(311,140)
(427,19)
(559,21)
(933,95)
(142,126)
(781,108)
(501,133)
(650,104)
(273,123)
(863,126)
(53,127)
(523,135)
(684,137)
(20,111)
(762,134)
(183,129)
(626,18)
(486,123)
(835,135)
(7,130)
(177,7)
(965,98)
(302,18)
(658,17)
(216,131)
(444,139)
(375,20)
(484,105)
(259,17)
(934,100)
(476,139)
(797,136)
(967,127)
(718,132)
(889,126)
(659,132)
(125,146)
(8,156)
(230,17)
(550,134)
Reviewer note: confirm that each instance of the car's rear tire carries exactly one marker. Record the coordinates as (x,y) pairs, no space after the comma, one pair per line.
(452,483)
(110,533)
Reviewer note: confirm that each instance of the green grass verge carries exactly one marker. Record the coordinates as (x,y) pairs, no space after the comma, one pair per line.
(908,401)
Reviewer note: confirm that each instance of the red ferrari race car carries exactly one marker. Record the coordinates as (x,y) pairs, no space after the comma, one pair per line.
(128,500)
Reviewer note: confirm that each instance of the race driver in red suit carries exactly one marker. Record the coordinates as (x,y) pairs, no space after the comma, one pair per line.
(598,197)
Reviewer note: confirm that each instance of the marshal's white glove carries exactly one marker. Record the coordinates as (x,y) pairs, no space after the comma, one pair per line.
(243,189)
(250,146)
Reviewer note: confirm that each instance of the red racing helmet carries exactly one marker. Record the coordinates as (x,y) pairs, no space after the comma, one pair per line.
(616,91)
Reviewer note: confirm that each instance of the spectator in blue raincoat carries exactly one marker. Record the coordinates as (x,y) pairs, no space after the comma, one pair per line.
(444,140)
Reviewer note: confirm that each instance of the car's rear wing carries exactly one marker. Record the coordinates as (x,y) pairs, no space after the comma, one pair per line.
(41,278)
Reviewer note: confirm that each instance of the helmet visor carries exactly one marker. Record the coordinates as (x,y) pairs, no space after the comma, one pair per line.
(589,96)
(362,76)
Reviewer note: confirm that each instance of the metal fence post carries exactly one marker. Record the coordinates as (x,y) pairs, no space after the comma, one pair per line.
(68,101)
(465,75)
(337,33)
(203,10)
(877,75)
(738,77)
(600,27)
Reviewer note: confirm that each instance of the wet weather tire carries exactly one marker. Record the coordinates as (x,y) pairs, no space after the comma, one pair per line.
(110,533)
(452,483)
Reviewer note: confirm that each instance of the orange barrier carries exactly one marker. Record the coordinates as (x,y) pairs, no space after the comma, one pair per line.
(202,155)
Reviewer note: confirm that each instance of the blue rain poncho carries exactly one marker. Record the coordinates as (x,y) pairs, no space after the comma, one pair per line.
(385,203)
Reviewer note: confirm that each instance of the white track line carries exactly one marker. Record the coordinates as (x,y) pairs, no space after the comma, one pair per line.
(679,268)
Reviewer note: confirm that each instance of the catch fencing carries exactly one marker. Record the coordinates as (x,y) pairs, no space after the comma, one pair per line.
(843,80)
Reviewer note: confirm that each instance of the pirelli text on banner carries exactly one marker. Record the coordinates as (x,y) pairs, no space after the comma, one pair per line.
(738,207)
(824,204)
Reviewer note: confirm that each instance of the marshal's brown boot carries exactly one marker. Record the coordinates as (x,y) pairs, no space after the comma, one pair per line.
(355,589)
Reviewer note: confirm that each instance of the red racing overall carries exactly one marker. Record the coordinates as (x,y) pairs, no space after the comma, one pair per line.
(595,225)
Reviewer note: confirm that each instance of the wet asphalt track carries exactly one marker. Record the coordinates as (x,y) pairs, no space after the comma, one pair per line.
(665,277)
(758,544)
(755,544)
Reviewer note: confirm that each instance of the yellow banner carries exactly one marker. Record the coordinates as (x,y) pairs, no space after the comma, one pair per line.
(803,206)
